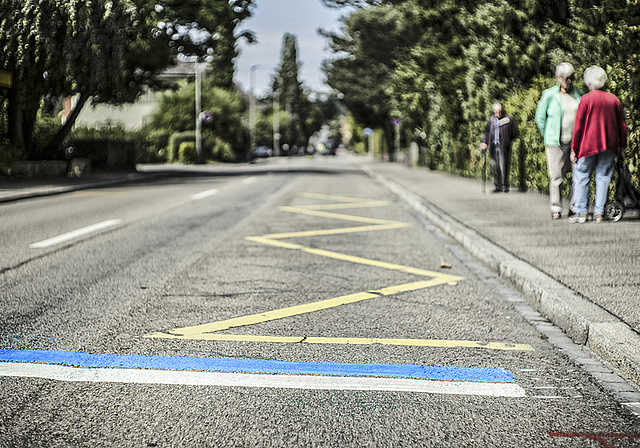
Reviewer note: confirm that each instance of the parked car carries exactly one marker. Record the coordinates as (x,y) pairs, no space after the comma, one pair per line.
(330,149)
(262,152)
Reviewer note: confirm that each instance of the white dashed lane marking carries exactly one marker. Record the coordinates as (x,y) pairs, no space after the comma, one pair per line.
(75,234)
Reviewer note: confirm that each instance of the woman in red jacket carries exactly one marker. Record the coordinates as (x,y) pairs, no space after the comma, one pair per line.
(598,133)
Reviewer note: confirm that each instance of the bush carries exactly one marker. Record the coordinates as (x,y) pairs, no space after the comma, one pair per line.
(175,113)
(106,153)
(104,133)
(151,145)
(173,145)
(8,154)
(45,128)
(528,157)
(217,148)
(359,148)
(187,152)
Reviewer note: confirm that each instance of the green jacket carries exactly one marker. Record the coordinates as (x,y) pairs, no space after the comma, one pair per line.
(549,114)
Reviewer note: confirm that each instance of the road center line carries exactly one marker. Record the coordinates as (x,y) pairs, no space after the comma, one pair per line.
(75,234)
(204,194)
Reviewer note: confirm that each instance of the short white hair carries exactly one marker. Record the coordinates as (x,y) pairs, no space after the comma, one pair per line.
(595,77)
(564,69)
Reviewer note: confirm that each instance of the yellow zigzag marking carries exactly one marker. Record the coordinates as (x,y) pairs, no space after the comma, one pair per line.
(206,331)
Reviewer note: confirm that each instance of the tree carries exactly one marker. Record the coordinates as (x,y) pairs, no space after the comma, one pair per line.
(372,41)
(290,92)
(428,85)
(222,19)
(64,48)
(360,3)
(176,114)
(106,51)
(624,34)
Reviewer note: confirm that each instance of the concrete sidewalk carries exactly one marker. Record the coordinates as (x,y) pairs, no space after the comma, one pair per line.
(584,277)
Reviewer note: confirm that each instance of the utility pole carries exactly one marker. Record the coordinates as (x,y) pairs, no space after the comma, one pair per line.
(252,107)
(199,156)
(276,124)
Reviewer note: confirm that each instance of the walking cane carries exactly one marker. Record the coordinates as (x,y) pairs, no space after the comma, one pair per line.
(484,172)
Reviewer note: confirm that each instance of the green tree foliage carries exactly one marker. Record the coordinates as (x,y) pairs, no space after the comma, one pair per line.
(428,85)
(300,116)
(63,48)
(286,81)
(369,47)
(625,67)
(440,65)
(360,3)
(224,17)
(225,132)
(264,126)
(105,51)
(290,92)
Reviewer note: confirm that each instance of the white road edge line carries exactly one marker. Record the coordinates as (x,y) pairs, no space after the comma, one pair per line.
(204,194)
(75,234)
(224,379)
(249,180)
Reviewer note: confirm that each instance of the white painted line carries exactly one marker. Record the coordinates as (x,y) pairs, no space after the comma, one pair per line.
(249,180)
(204,194)
(225,379)
(75,234)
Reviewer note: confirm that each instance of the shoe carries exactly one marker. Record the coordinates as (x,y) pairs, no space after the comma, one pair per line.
(496,190)
(571,213)
(556,215)
(578,218)
(505,189)
(598,219)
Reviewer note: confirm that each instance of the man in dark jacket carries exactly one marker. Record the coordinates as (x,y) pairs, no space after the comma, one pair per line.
(498,136)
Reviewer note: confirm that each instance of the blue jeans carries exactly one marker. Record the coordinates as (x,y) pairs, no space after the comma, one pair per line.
(603,163)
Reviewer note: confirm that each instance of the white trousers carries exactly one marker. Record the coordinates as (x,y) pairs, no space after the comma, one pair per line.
(558,164)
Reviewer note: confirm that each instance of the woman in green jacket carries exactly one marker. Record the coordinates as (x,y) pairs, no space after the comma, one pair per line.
(555,117)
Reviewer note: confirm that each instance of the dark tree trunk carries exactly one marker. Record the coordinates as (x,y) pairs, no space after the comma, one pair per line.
(58,139)
(21,121)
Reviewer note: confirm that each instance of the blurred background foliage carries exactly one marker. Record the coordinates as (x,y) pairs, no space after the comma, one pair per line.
(438,66)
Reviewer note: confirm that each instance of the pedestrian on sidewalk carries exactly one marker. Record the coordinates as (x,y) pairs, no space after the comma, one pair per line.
(555,117)
(598,133)
(499,133)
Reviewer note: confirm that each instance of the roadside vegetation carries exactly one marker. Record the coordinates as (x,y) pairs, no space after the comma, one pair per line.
(436,67)
(100,52)
(411,71)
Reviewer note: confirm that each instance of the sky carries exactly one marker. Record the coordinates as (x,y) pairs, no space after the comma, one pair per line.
(270,21)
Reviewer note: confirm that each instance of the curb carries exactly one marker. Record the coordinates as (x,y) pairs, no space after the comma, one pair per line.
(583,321)
(37,192)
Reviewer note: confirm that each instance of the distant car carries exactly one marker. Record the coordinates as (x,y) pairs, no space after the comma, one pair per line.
(330,150)
(262,152)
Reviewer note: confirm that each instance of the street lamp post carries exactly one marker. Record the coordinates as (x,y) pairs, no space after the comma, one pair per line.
(252,107)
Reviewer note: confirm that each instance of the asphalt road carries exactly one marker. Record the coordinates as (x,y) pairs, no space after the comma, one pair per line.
(299,306)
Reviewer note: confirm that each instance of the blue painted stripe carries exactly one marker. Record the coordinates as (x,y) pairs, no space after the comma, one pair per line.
(79,359)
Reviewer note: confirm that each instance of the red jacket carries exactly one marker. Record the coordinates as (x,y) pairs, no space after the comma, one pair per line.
(599,125)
